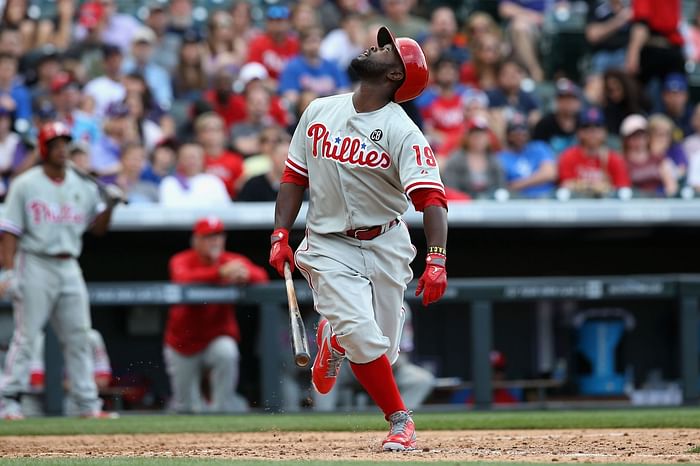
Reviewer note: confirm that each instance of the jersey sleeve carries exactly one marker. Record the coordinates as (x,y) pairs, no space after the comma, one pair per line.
(418,166)
(296,159)
(14,220)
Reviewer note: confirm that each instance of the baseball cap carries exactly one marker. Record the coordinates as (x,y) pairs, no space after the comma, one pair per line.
(251,71)
(208,226)
(592,116)
(477,123)
(675,82)
(117,110)
(517,122)
(144,35)
(633,124)
(566,87)
(91,13)
(277,12)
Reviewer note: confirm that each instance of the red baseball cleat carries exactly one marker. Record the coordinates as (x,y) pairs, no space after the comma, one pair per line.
(100,415)
(402,432)
(328,360)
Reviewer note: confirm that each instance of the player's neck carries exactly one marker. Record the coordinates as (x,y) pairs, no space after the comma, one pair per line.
(368,99)
(55,172)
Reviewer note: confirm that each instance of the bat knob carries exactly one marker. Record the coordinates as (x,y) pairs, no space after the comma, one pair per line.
(302,359)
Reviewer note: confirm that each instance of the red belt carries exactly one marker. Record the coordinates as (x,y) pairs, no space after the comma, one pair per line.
(369,233)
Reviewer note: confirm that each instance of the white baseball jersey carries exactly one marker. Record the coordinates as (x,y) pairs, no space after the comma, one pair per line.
(360,165)
(50,217)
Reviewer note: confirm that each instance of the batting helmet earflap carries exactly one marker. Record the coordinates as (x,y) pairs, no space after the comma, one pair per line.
(50,131)
(414,64)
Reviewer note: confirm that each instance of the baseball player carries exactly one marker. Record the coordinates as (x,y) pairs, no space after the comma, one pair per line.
(360,156)
(47,210)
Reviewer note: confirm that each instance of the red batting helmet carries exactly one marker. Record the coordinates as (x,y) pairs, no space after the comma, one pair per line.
(414,64)
(49,132)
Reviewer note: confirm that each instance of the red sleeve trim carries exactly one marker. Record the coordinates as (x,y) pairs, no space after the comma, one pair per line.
(424,185)
(291,176)
(425,197)
(296,167)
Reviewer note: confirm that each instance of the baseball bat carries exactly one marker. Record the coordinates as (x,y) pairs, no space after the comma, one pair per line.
(300,345)
(101,185)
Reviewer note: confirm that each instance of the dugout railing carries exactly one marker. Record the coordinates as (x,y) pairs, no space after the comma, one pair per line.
(479,294)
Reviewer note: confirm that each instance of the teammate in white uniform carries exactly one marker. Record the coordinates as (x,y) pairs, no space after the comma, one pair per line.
(360,156)
(48,209)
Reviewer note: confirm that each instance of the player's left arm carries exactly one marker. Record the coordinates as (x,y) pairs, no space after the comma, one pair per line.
(100,224)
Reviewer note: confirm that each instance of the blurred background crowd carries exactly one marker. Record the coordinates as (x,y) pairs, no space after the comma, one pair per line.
(192,102)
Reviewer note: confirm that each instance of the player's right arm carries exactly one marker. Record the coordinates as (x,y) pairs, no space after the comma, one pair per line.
(294,182)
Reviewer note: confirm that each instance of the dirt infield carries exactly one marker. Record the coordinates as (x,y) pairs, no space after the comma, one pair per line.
(606,445)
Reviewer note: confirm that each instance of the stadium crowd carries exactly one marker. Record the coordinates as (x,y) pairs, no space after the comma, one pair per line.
(192,102)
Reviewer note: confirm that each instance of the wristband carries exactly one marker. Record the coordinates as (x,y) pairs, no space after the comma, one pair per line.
(434,258)
(279,234)
(437,250)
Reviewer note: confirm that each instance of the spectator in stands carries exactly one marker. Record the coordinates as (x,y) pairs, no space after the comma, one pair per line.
(656,45)
(119,129)
(189,79)
(108,88)
(222,51)
(309,72)
(136,189)
(525,19)
(79,154)
(264,187)
(473,169)
(180,15)
(226,165)
(135,84)
(649,175)
(486,55)
(161,163)
(12,90)
(166,43)
(190,186)
(621,99)
(674,99)
(691,147)
(149,133)
(12,150)
(558,128)
(255,75)
(277,44)
(662,144)
(245,135)
(442,107)
(88,51)
(345,43)
(443,36)
(304,16)
(65,99)
(590,168)
(11,41)
(607,32)
(119,28)
(34,33)
(398,18)
(43,69)
(476,106)
(203,337)
(242,20)
(261,163)
(530,167)
(508,96)
(141,61)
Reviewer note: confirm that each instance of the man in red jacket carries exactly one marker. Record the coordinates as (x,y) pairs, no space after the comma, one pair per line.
(204,336)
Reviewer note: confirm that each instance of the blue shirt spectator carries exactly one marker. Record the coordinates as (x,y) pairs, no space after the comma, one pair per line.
(508,94)
(309,72)
(11,87)
(141,62)
(529,166)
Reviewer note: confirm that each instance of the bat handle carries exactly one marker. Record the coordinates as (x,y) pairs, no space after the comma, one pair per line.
(287,271)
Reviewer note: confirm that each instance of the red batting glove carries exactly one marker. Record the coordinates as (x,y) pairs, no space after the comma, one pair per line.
(280,251)
(433,282)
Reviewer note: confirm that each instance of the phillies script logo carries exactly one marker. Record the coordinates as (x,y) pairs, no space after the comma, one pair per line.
(346,150)
(42,212)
